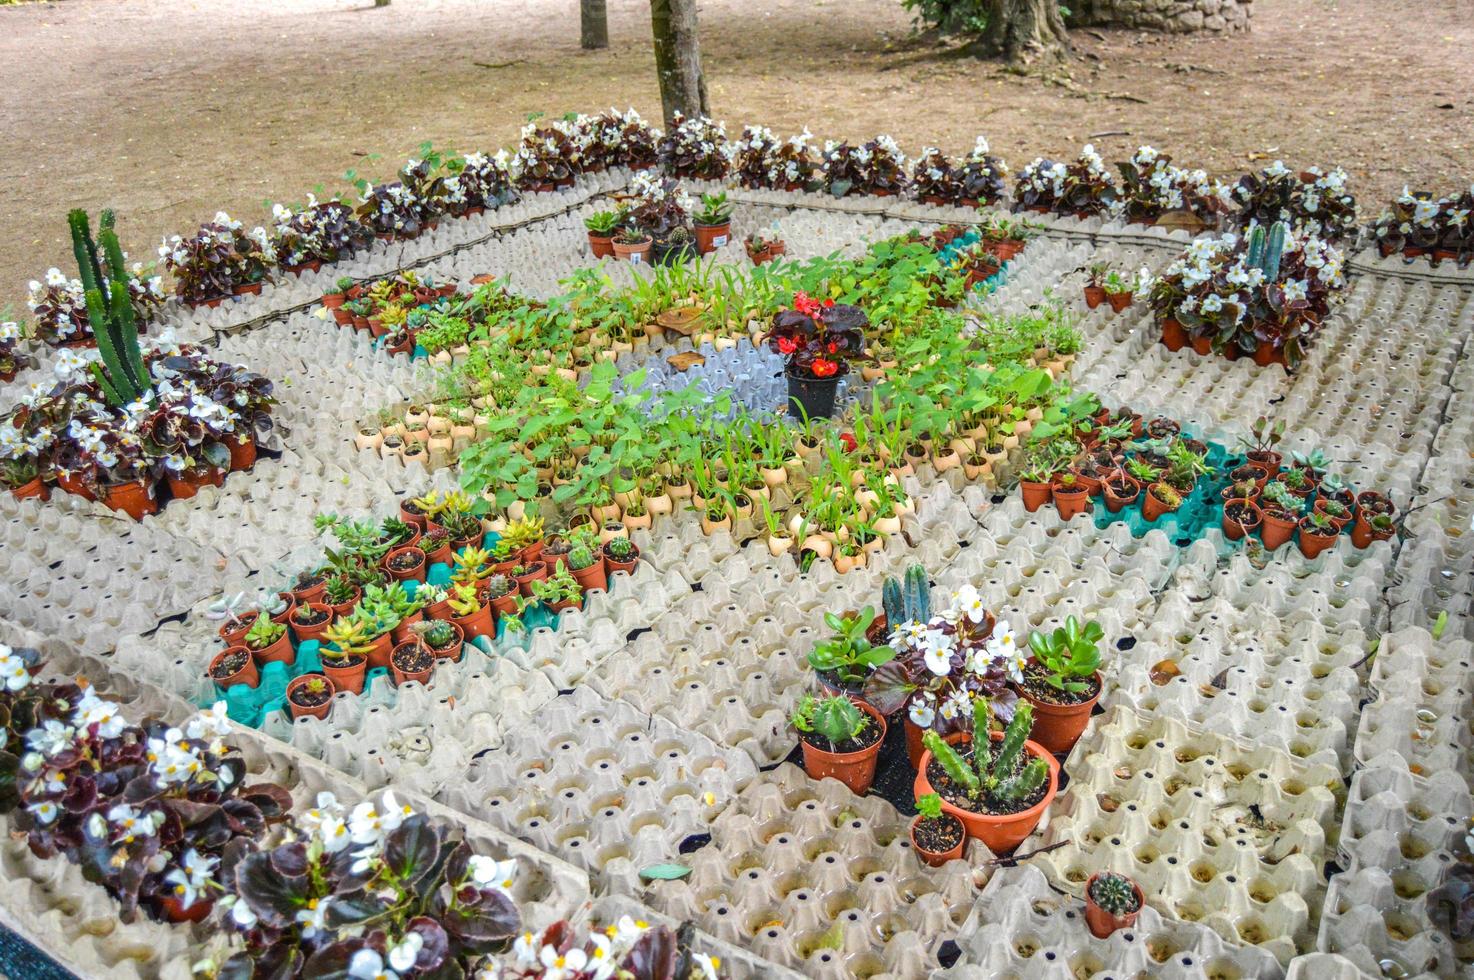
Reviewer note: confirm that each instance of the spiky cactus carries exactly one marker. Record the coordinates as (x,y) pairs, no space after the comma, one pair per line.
(1114,893)
(996,780)
(122,375)
(892,602)
(917,595)
(1274,248)
(1256,247)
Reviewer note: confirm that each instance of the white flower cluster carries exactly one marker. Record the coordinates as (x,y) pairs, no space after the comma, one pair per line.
(63,306)
(948,634)
(701,138)
(1043,177)
(1173,188)
(597,959)
(650,187)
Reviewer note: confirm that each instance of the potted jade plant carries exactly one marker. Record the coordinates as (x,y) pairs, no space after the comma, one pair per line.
(1112,902)
(845,659)
(310,696)
(601,226)
(937,837)
(818,340)
(268,641)
(1062,682)
(713,222)
(841,739)
(998,796)
(1281,511)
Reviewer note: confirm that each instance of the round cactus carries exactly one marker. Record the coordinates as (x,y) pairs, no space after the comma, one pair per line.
(1114,893)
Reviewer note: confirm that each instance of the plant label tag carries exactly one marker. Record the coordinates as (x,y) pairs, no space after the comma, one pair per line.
(718,241)
(637,258)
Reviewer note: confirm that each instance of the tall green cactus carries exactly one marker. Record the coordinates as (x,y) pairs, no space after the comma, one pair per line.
(1256,248)
(997,778)
(893,603)
(1273,250)
(918,594)
(122,375)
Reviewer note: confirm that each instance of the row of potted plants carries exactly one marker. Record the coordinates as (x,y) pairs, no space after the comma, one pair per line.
(656,221)
(1104,284)
(123,423)
(358,607)
(404,307)
(166,820)
(1420,224)
(1263,295)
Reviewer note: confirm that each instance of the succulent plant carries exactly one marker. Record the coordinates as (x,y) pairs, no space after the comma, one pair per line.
(580,557)
(620,549)
(987,775)
(1114,893)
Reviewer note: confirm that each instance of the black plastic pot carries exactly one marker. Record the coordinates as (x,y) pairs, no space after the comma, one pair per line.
(813,397)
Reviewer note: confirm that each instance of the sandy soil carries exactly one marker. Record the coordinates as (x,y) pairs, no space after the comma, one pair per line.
(167,110)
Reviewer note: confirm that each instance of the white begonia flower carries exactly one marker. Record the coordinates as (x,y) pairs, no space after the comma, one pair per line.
(403,954)
(1295,290)
(368,823)
(51,738)
(367,964)
(501,875)
(958,704)
(708,965)
(937,652)
(14,673)
(312,918)
(44,812)
(969,603)
(243,915)
(923,711)
(525,949)
(557,966)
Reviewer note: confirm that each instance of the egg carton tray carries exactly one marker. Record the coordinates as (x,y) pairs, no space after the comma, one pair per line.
(1418,721)
(813,878)
(1215,831)
(1020,927)
(735,962)
(1368,922)
(600,783)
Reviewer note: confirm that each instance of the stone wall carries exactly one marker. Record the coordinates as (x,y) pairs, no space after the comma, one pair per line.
(1174,16)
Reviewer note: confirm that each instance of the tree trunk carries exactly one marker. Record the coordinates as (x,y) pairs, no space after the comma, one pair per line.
(1025,30)
(678,58)
(593,24)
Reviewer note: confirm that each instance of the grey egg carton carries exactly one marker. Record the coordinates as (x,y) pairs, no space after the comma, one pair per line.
(811,877)
(1368,921)
(602,784)
(1417,720)
(1219,832)
(1021,927)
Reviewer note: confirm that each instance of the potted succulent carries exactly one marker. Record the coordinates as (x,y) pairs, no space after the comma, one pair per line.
(1281,511)
(621,555)
(1035,480)
(268,641)
(763,248)
(937,837)
(713,222)
(413,659)
(310,696)
(309,620)
(602,226)
(841,739)
(1112,902)
(1241,516)
(999,794)
(234,665)
(347,647)
(1095,293)
(818,339)
(406,564)
(501,594)
(1161,498)
(845,659)
(632,245)
(1071,495)
(559,591)
(1121,490)
(1374,518)
(1119,289)
(1062,682)
(586,563)
(473,616)
(1317,532)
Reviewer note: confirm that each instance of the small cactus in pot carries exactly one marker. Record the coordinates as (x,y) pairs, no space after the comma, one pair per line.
(1112,901)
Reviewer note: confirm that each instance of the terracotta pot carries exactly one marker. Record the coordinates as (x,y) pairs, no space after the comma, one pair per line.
(1035,495)
(305,633)
(637,254)
(321,710)
(1115,503)
(349,678)
(1275,531)
(504,605)
(344,608)
(1173,335)
(242,453)
(1094,296)
(536,572)
(601,245)
(175,911)
(416,574)
(1118,301)
(622,566)
(278,652)
(1151,507)
(402,632)
(936,858)
(405,676)
(1103,923)
(1069,502)
(413,518)
(1202,346)
(381,645)
(478,623)
(1057,727)
(1234,530)
(313,593)
(709,238)
(595,576)
(248,675)
(1090,483)
(1340,522)
(855,769)
(1313,543)
(186,485)
(1363,534)
(135,498)
(1268,460)
(35,488)
(999,833)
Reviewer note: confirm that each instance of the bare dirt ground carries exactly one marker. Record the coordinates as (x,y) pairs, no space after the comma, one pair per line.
(168,110)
